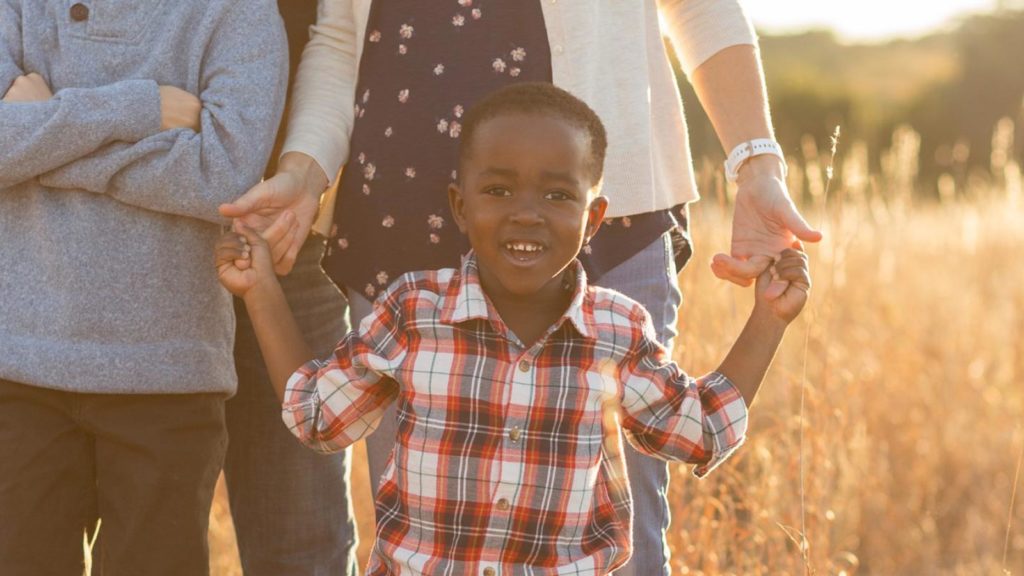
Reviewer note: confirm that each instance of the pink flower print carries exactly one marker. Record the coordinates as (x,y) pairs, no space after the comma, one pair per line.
(370,290)
(405,31)
(382,278)
(458,110)
(442,126)
(388,132)
(434,238)
(366,96)
(388,221)
(455,175)
(334,230)
(439,69)
(454,129)
(626,221)
(362,158)
(410,172)
(343,243)
(356,109)
(465,3)
(403,95)
(476,14)
(519,54)
(362,112)
(402,49)
(366,189)
(375,36)
(434,221)
(514,72)
(369,171)
(458,20)
(499,65)
(587,249)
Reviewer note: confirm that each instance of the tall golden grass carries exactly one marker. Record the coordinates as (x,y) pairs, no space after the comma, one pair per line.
(910,358)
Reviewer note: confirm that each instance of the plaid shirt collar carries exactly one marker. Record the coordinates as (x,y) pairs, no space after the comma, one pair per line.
(466,300)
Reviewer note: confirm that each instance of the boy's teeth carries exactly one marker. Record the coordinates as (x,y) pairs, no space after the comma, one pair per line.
(523,247)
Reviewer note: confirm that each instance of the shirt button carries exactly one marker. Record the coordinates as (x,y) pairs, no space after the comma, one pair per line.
(490,572)
(503,504)
(524,366)
(79,12)
(515,433)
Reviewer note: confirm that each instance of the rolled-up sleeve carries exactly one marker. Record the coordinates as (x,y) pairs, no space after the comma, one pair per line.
(329,405)
(671,415)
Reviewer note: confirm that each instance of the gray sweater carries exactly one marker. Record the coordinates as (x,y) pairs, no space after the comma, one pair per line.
(107,223)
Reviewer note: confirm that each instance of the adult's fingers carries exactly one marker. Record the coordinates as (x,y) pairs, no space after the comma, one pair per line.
(280,249)
(733,269)
(252,200)
(278,230)
(798,226)
(287,262)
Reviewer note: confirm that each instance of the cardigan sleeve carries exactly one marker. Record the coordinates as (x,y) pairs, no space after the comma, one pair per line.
(699,29)
(320,120)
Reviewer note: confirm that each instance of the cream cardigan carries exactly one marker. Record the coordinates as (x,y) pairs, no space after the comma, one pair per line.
(609,53)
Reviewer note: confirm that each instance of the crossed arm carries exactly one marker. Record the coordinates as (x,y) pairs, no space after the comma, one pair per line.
(151,146)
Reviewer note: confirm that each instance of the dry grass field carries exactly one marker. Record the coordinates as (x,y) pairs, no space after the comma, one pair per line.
(890,429)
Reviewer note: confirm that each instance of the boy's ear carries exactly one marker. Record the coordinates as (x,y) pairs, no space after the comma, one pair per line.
(457,205)
(595,215)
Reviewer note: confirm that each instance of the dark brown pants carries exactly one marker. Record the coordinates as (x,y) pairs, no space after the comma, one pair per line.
(145,464)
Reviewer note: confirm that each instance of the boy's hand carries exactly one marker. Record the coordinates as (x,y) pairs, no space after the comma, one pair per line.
(29,88)
(179,109)
(243,260)
(791,268)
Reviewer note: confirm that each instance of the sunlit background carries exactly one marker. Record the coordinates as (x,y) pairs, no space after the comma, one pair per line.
(863,20)
(889,435)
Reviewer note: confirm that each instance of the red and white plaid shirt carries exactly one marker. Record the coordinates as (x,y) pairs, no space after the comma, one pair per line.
(507,457)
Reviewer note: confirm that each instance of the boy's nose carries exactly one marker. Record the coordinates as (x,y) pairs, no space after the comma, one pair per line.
(526,211)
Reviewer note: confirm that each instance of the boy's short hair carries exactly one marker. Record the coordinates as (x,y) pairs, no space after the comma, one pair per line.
(542,99)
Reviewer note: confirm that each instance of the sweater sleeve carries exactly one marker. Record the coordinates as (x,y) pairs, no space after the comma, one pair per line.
(37,137)
(10,44)
(699,29)
(320,121)
(190,174)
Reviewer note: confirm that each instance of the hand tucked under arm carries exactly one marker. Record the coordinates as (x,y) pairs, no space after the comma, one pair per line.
(187,173)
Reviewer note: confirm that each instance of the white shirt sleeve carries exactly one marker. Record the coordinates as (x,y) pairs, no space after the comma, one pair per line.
(320,118)
(699,29)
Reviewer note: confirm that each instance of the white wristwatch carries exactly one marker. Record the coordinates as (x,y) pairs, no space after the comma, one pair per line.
(748,150)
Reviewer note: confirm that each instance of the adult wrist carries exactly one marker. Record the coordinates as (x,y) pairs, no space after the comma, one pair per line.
(305,168)
(749,152)
(764,165)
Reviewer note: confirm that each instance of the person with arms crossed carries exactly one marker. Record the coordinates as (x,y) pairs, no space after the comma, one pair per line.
(123,126)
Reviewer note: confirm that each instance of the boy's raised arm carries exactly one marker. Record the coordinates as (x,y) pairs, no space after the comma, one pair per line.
(187,173)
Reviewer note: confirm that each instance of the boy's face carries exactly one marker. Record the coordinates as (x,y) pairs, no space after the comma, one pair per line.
(526,200)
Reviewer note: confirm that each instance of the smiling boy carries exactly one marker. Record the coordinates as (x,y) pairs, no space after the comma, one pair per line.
(503,370)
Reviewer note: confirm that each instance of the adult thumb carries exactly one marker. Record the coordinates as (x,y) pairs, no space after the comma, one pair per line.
(799,227)
(244,204)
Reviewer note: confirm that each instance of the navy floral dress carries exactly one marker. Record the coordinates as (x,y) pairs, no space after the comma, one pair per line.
(423,65)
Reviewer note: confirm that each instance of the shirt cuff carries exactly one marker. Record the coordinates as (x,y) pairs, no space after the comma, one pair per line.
(135,109)
(300,409)
(725,424)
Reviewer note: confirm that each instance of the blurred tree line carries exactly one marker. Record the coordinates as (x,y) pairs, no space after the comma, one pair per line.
(951,87)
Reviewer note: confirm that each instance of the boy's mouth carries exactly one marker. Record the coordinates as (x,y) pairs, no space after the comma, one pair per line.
(524,250)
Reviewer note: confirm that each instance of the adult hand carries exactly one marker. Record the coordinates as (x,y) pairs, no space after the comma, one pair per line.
(292,193)
(28,88)
(765,223)
(179,109)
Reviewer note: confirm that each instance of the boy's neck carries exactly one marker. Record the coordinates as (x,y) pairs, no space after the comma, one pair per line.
(530,317)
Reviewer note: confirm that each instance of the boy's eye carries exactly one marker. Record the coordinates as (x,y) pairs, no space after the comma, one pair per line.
(559,195)
(500,191)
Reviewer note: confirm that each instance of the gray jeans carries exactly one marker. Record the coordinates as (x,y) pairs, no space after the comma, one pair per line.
(649,277)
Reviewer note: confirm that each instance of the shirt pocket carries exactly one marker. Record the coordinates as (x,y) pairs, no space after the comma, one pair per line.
(112,21)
